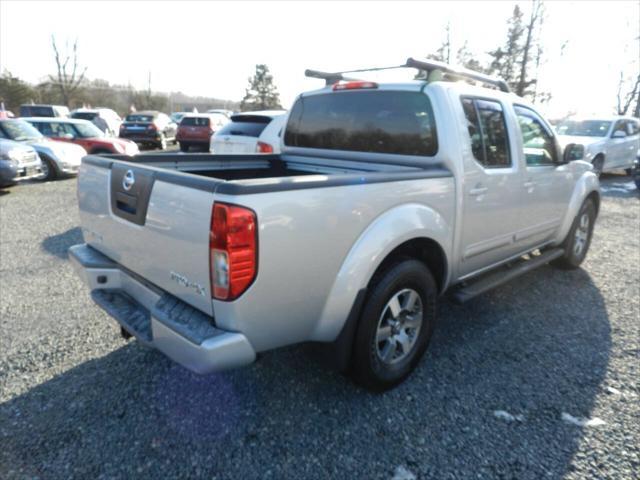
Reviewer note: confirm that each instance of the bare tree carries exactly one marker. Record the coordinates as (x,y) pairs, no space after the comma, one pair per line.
(69,77)
(535,21)
(625,100)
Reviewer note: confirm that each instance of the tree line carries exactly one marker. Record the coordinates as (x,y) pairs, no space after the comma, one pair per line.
(519,58)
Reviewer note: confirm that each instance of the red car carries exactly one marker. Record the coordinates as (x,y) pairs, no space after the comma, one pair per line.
(83,133)
(195,129)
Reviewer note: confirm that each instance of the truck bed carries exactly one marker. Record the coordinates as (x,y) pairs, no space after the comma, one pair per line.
(246,174)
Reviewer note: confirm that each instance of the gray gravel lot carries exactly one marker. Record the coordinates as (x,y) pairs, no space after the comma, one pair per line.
(78,401)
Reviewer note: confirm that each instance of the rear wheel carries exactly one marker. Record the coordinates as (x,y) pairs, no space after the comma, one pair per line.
(184,147)
(395,326)
(578,240)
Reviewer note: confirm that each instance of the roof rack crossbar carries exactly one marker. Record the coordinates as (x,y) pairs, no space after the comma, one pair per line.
(429,65)
(425,65)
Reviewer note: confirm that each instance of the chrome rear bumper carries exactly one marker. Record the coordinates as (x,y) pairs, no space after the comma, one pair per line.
(157,318)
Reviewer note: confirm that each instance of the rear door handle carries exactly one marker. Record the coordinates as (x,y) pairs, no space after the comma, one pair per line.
(478,191)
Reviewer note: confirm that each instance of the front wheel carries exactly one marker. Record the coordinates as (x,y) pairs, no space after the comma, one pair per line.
(578,240)
(48,169)
(598,165)
(396,325)
(184,147)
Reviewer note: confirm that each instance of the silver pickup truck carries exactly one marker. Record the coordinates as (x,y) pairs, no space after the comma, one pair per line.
(385,197)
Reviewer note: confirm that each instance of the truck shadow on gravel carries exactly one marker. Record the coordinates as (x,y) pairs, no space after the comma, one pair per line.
(535,348)
(59,244)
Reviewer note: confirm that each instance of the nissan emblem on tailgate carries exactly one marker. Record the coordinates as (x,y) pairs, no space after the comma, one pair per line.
(128,180)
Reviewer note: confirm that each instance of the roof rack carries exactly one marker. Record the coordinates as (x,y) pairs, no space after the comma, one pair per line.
(424,65)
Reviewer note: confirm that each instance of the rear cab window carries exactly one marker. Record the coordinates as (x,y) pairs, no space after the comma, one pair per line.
(245,125)
(139,118)
(391,122)
(195,121)
(487,131)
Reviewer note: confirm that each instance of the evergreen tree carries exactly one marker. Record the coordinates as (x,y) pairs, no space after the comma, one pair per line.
(261,93)
(15,92)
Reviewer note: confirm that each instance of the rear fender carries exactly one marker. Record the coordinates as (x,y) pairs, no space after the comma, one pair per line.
(586,184)
(388,231)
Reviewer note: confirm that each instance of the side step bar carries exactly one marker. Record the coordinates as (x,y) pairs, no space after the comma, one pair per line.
(503,275)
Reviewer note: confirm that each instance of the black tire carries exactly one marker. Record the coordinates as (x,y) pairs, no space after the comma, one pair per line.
(369,369)
(573,257)
(598,165)
(629,172)
(184,147)
(49,170)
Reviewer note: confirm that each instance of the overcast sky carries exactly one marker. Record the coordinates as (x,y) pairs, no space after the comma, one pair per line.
(211,48)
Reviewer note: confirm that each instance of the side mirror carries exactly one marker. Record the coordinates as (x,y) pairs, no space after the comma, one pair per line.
(573,151)
(619,134)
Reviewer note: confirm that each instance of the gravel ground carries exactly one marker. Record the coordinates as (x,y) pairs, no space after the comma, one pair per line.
(537,379)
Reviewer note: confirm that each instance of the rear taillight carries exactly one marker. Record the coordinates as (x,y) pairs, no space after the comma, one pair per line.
(264,148)
(358,85)
(233,250)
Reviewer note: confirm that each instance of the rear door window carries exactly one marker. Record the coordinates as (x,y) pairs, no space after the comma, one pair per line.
(389,122)
(487,132)
(245,125)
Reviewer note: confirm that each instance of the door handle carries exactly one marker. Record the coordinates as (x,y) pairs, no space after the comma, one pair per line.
(478,191)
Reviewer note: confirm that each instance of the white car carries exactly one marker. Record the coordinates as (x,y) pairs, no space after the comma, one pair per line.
(250,132)
(105,119)
(609,143)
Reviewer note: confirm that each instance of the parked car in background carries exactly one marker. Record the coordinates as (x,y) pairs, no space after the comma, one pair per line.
(177,116)
(609,143)
(250,132)
(149,128)
(195,129)
(83,133)
(17,162)
(635,172)
(223,111)
(43,111)
(58,158)
(107,120)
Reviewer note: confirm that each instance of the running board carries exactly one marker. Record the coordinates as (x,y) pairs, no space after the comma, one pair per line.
(503,275)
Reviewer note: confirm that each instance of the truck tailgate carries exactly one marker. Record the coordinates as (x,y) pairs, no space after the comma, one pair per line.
(156,229)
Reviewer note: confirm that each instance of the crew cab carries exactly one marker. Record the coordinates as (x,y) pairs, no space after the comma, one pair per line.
(385,197)
(609,143)
(83,133)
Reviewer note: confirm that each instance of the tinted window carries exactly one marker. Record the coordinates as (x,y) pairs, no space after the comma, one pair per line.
(473,126)
(195,121)
(364,121)
(139,118)
(247,125)
(537,140)
(488,132)
(620,126)
(36,111)
(84,115)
